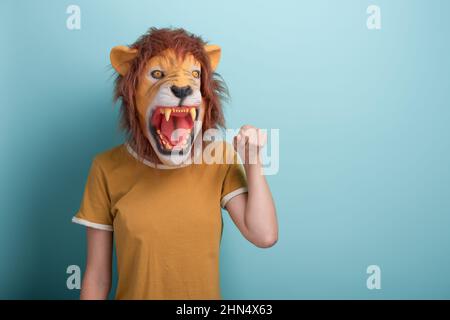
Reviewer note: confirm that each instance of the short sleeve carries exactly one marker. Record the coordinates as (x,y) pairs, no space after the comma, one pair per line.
(235,182)
(95,206)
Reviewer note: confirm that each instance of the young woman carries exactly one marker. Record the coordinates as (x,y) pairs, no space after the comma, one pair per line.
(156,195)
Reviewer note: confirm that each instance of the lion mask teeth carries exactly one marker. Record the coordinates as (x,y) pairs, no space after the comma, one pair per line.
(168,111)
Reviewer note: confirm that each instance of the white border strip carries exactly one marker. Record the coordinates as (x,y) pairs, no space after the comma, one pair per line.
(105,227)
(152,164)
(231,195)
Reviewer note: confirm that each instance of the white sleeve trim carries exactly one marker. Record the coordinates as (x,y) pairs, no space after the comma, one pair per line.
(231,195)
(105,227)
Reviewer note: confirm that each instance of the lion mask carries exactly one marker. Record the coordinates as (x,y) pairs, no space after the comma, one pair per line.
(169,92)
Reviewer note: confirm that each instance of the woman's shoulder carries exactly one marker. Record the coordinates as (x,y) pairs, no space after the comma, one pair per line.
(112,157)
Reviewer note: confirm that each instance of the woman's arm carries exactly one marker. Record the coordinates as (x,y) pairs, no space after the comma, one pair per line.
(97,277)
(254,213)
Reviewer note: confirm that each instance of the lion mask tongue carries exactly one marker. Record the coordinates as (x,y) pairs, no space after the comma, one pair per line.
(176,128)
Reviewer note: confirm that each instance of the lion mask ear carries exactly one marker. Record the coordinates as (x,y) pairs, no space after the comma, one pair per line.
(213,52)
(121,57)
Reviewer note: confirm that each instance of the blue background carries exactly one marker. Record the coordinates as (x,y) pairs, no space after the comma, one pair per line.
(364,127)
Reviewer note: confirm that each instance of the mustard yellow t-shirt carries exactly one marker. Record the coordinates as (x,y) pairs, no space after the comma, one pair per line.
(166,221)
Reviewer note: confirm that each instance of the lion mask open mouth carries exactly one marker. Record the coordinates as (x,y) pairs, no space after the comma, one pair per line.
(173,127)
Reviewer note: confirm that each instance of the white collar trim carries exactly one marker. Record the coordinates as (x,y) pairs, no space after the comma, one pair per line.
(152,164)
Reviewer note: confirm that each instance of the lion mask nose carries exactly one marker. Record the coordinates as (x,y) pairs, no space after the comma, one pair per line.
(181,92)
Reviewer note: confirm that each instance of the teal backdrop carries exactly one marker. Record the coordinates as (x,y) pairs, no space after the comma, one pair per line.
(364,175)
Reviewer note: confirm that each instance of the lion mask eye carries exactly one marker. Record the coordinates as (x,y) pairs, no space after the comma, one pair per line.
(157,74)
(196,74)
